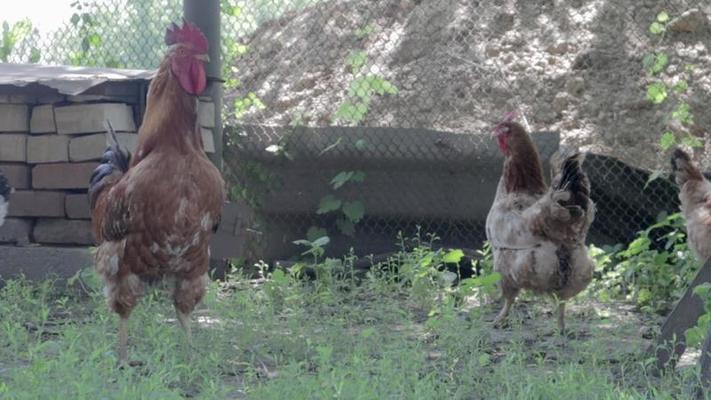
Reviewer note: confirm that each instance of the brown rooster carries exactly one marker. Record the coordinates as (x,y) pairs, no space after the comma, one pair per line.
(153,214)
(538,233)
(695,197)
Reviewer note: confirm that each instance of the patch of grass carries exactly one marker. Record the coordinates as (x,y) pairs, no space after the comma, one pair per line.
(400,332)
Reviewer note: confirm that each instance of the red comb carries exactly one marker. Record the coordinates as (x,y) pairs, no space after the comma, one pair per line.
(509,116)
(187,34)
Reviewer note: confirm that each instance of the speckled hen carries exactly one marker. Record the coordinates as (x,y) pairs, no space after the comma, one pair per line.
(153,214)
(538,233)
(695,197)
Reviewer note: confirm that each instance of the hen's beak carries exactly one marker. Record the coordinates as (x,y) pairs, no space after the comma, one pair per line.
(203,57)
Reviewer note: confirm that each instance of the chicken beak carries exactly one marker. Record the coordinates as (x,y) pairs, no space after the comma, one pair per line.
(203,57)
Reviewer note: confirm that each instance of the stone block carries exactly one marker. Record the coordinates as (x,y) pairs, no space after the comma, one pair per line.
(30,203)
(42,120)
(208,140)
(62,176)
(63,231)
(41,263)
(47,149)
(17,174)
(92,147)
(77,206)
(206,114)
(14,118)
(13,147)
(16,230)
(90,118)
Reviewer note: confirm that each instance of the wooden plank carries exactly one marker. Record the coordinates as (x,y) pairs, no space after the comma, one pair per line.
(683,316)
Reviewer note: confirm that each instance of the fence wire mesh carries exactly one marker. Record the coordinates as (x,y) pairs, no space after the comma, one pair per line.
(364,118)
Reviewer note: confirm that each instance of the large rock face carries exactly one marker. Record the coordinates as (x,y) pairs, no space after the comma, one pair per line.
(458,66)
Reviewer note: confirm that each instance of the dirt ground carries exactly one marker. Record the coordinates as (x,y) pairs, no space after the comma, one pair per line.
(572,66)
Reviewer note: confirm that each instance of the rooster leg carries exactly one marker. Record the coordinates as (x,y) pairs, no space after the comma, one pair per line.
(184,319)
(187,294)
(123,340)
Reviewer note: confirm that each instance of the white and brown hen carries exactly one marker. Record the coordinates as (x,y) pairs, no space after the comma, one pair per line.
(537,232)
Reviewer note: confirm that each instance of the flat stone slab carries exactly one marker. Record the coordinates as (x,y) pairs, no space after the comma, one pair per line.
(63,176)
(40,263)
(29,203)
(90,118)
(17,174)
(42,120)
(47,149)
(13,147)
(14,118)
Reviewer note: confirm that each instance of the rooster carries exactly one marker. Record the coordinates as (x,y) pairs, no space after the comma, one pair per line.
(5,191)
(695,198)
(538,233)
(153,213)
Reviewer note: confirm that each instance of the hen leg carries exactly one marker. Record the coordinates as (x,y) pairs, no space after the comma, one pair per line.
(509,294)
(561,317)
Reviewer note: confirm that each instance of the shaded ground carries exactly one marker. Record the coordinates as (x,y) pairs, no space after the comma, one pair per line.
(573,66)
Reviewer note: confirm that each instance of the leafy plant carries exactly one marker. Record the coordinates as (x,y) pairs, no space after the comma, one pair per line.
(653,270)
(661,90)
(13,36)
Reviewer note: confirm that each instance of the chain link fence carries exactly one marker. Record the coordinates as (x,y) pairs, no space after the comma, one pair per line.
(362,119)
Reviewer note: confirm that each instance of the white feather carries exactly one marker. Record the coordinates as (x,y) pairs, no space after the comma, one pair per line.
(3,209)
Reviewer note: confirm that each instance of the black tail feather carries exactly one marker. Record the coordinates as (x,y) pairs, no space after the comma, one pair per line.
(115,159)
(574,180)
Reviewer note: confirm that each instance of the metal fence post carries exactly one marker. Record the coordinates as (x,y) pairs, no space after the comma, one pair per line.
(206,15)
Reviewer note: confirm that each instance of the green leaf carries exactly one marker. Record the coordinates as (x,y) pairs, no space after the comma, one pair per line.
(660,62)
(356,60)
(354,211)
(692,141)
(681,86)
(358,176)
(327,204)
(682,113)
(667,141)
(653,177)
(453,256)
(656,92)
(315,232)
(663,17)
(341,179)
(361,144)
(345,226)
(320,242)
(656,28)
(484,360)
(648,61)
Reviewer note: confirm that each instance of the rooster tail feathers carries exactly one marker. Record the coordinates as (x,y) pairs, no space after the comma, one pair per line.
(683,168)
(114,162)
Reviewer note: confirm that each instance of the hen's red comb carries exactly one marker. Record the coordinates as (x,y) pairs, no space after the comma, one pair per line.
(510,116)
(187,34)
